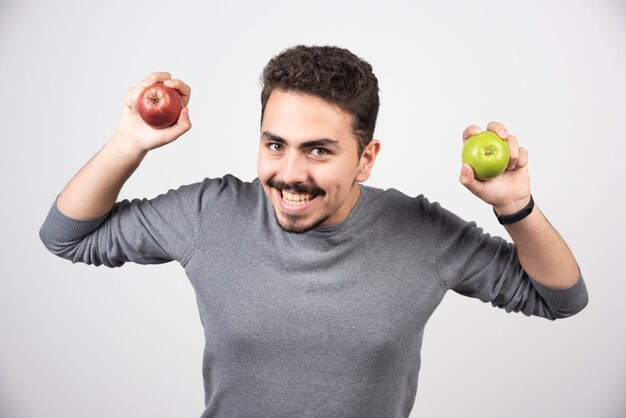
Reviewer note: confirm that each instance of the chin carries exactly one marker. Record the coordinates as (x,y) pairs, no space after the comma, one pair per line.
(298,226)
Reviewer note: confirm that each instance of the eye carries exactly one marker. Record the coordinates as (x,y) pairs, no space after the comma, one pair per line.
(319,152)
(275,147)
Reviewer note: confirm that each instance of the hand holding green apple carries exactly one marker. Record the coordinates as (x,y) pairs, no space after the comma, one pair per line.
(495,167)
(487,154)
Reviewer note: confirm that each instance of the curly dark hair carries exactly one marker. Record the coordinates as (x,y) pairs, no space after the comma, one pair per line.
(331,73)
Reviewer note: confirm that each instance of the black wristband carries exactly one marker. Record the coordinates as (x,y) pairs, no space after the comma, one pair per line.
(509,219)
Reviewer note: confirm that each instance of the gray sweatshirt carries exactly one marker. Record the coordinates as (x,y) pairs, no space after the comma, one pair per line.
(327,323)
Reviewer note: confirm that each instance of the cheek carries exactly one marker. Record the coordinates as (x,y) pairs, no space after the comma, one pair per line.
(334,180)
(264,167)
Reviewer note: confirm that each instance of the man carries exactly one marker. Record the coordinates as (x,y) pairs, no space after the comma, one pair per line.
(313,289)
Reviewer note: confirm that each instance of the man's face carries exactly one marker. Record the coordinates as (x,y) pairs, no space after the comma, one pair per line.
(308,162)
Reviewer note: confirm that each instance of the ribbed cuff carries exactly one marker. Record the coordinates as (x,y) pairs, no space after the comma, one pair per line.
(567,301)
(64,228)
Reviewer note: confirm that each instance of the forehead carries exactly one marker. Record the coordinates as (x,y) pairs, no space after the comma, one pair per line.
(300,117)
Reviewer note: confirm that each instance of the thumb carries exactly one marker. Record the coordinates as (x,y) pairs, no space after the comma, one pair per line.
(182,125)
(467,179)
(172,133)
(184,122)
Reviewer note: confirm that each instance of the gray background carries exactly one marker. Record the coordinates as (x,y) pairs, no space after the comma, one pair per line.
(79,341)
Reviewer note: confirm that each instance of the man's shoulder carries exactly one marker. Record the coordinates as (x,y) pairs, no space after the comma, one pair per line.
(213,192)
(395,199)
(227,184)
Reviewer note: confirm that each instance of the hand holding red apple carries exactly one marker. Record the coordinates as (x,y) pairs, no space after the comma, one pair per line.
(156,112)
(507,192)
(159,106)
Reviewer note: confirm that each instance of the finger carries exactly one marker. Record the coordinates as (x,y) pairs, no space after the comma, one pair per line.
(513,152)
(132,95)
(132,98)
(468,180)
(183,89)
(498,128)
(523,157)
(182,125)
(157,77)
(184,122)
(471,131)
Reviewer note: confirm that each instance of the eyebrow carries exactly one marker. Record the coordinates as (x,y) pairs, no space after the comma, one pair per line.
(320,142)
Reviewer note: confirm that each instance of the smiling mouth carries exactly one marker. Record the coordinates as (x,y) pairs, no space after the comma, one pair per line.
(296,195)
(296,199)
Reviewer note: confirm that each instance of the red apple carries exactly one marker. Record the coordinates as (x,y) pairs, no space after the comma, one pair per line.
(159,106)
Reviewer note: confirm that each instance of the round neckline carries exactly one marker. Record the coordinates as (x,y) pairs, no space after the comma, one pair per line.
(323,230)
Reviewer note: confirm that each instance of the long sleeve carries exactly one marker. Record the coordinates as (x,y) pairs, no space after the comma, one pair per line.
(475,264)
(144,231)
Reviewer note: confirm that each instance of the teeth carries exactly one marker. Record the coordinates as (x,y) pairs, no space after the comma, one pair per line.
(296,199)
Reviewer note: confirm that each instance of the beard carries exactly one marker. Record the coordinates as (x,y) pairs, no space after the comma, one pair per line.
(293,224)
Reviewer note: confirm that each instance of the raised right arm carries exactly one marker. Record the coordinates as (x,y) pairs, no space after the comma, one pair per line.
(92,192)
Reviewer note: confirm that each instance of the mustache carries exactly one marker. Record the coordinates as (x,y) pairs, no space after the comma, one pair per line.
(296,187)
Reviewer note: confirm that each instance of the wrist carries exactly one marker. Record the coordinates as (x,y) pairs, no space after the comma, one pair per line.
(513,207)
(126,148)
(506,218)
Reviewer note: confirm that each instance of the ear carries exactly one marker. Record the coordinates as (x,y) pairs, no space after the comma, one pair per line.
(367,160)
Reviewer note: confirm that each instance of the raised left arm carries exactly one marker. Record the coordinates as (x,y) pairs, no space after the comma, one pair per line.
(541,250)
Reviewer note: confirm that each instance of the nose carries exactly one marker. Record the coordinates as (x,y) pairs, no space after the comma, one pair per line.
(294,169)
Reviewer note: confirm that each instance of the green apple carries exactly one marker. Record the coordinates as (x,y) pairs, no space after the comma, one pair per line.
(487,154)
